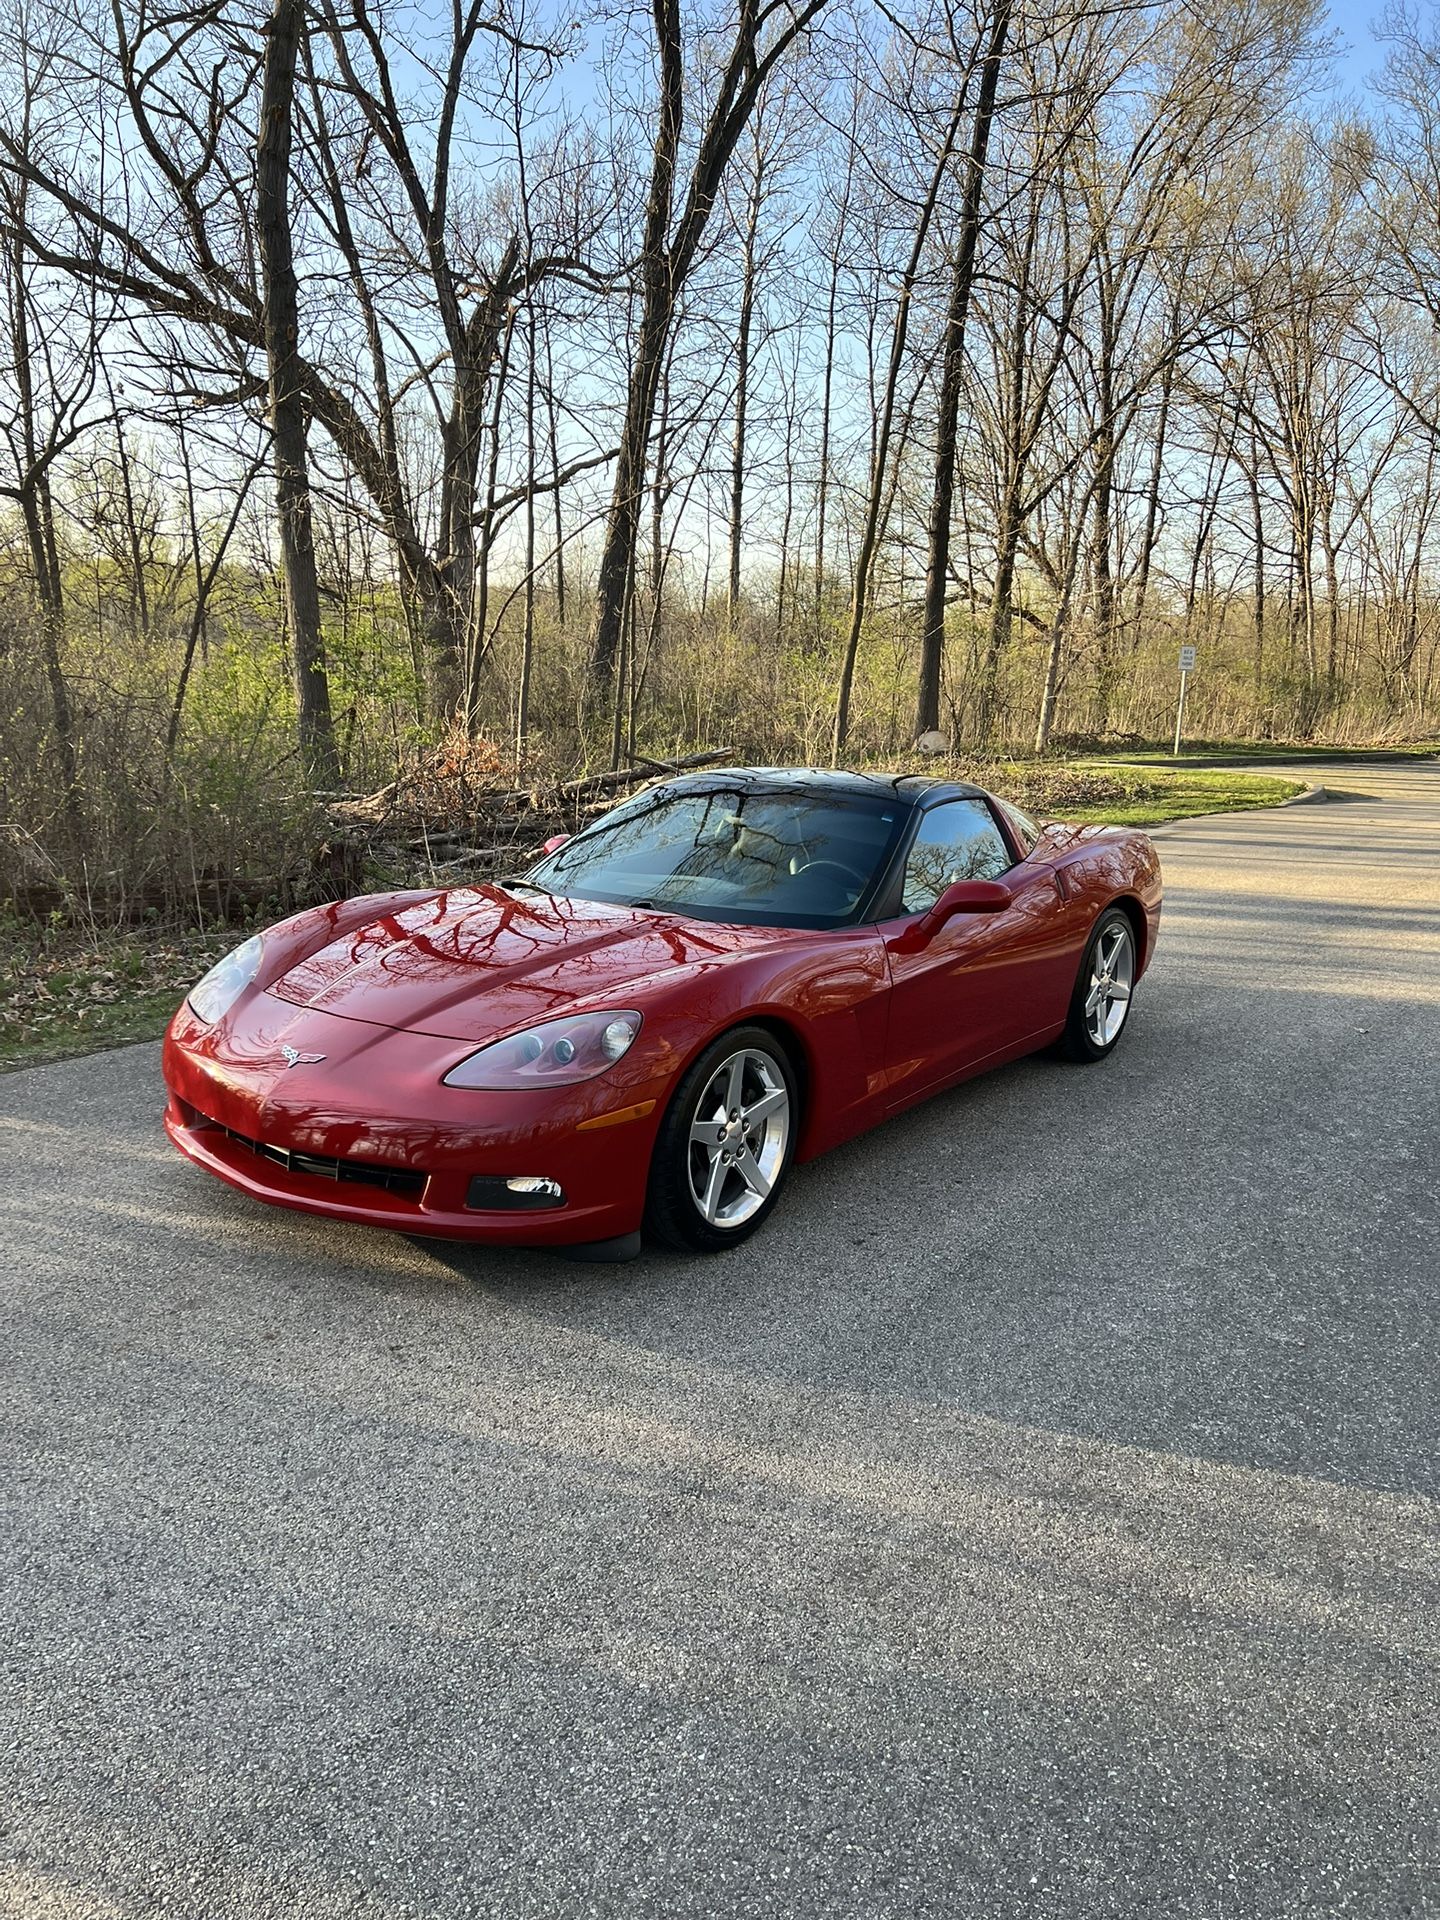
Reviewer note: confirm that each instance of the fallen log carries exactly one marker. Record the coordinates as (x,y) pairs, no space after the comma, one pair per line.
(626,776)
(643,769)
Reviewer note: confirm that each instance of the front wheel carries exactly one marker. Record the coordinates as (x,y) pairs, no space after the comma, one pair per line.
(725,1145)
(1100,1004)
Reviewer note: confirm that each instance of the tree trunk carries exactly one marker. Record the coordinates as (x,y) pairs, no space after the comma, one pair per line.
(1258,519)
(555,469)
(50,601)
(38,514)
(1332,607)
(1102,538)
(665,262)
(885,421)
(932,636)
(618,554)
(1102,574)
(1059,626)
(660,485)
(527,644)
(1020,437)
(742,396)
(826,400)
(1152,492)
(1002,599)
(617,557)
(205,578)
(477,642)
(288,425)
(786,523)
(140,593)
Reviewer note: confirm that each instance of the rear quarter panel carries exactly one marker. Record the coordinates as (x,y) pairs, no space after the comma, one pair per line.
(1101,865)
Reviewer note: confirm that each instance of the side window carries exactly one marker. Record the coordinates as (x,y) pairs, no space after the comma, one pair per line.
(1024,829)
(957,840)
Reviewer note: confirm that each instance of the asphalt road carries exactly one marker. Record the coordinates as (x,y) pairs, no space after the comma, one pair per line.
(1036,1520)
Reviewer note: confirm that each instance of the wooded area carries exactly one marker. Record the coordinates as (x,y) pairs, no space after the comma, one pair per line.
(497,392)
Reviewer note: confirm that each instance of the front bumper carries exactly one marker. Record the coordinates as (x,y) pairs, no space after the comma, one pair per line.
(364,1132)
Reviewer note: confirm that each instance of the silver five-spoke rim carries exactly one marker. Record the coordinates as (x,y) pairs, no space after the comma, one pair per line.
(738,1138)
(1112,975)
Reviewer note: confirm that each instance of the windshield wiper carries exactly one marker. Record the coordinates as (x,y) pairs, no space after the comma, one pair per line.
(534,886)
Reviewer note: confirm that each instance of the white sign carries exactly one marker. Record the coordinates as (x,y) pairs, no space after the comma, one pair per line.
(1187,659)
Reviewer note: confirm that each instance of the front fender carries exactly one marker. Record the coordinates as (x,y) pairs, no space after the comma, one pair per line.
(824,993)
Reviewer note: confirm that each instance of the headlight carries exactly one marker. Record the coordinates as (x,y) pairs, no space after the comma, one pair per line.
(555,1054)
(223,985)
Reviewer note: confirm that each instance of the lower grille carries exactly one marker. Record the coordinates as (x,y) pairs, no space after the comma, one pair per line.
(361,1173)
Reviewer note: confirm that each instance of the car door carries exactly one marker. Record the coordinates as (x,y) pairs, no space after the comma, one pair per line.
(968,992)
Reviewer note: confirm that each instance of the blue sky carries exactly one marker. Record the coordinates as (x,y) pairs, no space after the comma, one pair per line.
(1359,54)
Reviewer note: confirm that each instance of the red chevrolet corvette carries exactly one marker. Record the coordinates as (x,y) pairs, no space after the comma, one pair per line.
(727,973)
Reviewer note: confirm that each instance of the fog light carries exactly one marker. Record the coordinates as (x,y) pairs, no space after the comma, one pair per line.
(520,1193)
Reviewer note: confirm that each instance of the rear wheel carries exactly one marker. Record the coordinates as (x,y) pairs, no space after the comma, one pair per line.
(726,1143)
(1100,1004)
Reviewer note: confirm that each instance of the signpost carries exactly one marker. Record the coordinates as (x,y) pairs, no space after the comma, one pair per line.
(1187,667)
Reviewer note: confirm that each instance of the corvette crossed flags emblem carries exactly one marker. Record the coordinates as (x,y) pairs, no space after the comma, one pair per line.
(294,1058)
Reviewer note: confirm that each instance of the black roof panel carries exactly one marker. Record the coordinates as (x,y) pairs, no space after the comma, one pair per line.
(821,782)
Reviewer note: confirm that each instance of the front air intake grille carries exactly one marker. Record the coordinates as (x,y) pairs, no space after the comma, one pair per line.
(361,1173)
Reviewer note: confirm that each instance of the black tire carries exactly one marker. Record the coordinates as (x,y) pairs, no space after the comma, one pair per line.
(1080,1041)
(675,1211)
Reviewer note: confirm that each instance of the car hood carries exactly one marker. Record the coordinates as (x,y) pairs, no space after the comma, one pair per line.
(475,961)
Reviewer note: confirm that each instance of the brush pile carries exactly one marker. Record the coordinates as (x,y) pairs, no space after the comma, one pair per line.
(448,816)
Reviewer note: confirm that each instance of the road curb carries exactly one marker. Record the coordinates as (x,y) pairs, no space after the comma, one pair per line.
(1315,792)
(1310,791)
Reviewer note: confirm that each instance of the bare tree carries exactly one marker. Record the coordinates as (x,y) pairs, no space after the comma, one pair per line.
(53,352)
(289,428)
(952,377)
(764,32)
(876,492)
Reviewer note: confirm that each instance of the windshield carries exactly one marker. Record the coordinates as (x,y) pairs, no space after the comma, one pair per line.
(749,857)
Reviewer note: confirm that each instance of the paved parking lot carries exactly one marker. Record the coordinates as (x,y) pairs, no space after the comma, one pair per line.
(1036,1520)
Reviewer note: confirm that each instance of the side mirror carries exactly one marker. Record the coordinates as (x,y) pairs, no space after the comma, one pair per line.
(555,842)
(970,896)
(961,896)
